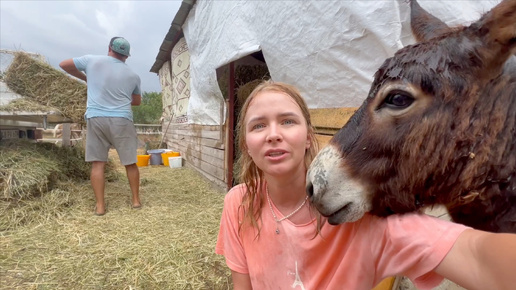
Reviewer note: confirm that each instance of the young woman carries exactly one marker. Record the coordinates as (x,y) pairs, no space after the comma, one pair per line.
(270,238)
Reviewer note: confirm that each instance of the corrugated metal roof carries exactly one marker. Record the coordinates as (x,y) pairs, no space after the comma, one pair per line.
(175,33)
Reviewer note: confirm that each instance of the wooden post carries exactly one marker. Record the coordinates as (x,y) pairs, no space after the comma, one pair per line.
(66,134)
(230,126)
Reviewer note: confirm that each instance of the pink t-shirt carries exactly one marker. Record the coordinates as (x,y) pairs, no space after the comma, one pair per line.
(349,256)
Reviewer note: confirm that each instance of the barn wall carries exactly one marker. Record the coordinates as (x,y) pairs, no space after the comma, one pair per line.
(202,147)
(165,79)
(174,78)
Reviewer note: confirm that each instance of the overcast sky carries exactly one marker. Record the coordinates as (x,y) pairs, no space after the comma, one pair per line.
(64,29)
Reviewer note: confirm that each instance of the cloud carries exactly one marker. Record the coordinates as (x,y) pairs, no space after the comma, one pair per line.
(114,23)
(64,29)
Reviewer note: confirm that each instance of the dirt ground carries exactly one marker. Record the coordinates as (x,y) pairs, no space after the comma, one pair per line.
(168,244)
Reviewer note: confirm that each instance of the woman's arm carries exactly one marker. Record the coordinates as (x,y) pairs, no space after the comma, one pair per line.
(241,281)
(481,260)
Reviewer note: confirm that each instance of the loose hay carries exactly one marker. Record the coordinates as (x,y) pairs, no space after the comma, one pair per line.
(30,169)
(47,86)
(25,105)
(245,90)
(168,244)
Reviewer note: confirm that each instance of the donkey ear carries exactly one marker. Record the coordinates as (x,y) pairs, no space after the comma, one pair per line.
(497,29)
(424,25)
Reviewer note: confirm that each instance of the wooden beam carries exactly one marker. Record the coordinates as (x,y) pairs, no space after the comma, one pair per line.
(193,139)
(331,118)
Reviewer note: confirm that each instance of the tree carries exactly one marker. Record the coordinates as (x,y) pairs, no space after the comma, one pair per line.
(150,110)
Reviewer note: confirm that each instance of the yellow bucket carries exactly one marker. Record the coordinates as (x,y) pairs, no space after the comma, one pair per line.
(168,154)
(142,160)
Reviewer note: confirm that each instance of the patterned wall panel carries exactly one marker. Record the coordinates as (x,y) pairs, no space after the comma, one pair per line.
(165,80)
(180,81)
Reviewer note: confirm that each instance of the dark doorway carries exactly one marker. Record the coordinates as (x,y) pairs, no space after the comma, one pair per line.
(236,82)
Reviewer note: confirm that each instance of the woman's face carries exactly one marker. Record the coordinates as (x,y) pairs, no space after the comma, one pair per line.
(276,134)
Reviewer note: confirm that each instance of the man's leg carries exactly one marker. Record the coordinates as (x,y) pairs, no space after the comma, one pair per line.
(133,174)
(97,147)
(97,182)
(125,141)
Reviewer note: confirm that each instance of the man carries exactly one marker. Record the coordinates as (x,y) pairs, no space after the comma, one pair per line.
(112,89)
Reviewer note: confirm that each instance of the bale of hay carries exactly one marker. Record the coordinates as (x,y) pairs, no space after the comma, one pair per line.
(30,169)
(245,90)
(247,73)
(47,86)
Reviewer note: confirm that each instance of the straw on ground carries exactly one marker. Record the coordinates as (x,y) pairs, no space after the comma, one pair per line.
(168,244)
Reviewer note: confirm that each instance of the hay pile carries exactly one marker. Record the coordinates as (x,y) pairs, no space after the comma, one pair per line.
(168,244)
(243,75)
(247,73)
(29,169)
(47,86)
(245,90)
(26,105)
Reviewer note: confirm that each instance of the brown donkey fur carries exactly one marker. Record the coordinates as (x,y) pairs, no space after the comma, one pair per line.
(438,125)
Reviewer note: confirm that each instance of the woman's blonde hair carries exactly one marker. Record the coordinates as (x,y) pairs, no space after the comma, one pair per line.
(249,173)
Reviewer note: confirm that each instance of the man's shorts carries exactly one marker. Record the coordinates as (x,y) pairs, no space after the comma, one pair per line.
(104,132)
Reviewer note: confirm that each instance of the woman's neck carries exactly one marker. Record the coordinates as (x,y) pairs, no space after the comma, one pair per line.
(287,192)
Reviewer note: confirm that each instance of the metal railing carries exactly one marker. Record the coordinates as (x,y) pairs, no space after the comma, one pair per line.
(148,129)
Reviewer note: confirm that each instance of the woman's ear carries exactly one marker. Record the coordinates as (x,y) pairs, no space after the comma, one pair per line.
(308,143)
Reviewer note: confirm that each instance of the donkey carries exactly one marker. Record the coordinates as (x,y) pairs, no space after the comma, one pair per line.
(437,127)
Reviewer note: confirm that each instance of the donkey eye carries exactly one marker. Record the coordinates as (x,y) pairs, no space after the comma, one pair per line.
(398,100)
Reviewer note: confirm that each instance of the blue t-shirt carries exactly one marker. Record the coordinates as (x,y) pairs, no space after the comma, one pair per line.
(111,84)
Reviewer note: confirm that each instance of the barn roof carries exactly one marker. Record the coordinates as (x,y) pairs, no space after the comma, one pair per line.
(175,33)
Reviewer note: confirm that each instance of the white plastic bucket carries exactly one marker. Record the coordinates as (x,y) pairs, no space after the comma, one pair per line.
(175,162)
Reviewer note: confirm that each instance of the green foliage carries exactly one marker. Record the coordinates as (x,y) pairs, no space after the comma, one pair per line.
(150,110)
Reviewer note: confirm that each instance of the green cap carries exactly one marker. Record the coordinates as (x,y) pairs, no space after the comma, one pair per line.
(120,45)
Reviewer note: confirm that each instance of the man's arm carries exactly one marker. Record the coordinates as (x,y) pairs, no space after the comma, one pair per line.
(481,260)
(69,66)
(137,100)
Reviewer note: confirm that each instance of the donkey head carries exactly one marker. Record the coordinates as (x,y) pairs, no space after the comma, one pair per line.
(434,127)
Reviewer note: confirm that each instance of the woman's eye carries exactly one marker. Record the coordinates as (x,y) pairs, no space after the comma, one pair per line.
(398,100)
(288,122)
(258,126)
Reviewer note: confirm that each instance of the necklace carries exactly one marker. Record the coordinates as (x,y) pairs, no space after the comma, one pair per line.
(285,217)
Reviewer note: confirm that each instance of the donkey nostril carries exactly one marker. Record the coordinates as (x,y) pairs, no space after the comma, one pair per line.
(309,189)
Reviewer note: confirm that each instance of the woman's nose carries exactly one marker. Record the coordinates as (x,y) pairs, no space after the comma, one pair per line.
(274,134)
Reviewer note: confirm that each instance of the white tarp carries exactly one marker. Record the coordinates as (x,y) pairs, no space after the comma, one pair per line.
(329,49)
